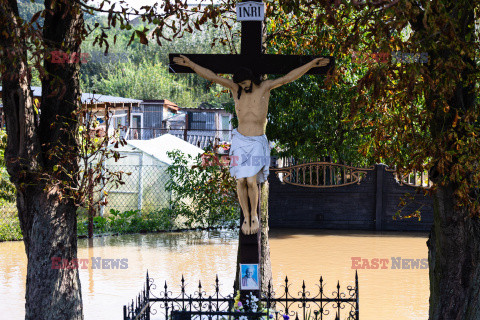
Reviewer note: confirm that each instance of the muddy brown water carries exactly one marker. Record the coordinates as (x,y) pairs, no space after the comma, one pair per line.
(400,294)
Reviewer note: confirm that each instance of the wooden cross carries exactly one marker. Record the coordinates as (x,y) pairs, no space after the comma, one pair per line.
(251,57)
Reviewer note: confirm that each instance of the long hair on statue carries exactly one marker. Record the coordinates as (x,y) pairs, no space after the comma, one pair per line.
(242,74)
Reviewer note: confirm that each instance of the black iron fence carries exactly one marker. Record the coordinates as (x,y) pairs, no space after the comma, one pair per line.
(305,305)
(210,315)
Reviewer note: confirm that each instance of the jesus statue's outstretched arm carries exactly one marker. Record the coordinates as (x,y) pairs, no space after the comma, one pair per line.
(204,72)
(296,73)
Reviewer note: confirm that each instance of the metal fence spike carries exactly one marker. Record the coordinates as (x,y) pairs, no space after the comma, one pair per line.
(204,303)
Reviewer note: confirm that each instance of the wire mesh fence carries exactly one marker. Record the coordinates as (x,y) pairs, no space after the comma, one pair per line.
(9,223)
(144,189)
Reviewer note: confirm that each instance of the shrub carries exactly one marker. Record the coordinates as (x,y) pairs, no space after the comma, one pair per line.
(203,194)
(10,230)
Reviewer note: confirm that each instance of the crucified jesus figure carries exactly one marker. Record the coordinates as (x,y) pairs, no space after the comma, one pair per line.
(250,152)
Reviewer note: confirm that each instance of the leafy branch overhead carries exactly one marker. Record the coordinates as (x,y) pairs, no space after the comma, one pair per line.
(421,116)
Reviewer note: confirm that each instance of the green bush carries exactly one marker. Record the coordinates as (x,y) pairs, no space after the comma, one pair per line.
(100,224)
(10,230)
(203,194)
(7,189)
(82,227)
(129,222)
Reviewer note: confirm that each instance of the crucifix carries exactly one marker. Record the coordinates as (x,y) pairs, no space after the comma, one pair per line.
(250,151)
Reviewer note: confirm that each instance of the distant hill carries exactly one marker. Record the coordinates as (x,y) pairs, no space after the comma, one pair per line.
(27,9)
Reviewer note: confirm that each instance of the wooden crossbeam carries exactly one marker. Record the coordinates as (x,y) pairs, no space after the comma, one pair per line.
(261,64)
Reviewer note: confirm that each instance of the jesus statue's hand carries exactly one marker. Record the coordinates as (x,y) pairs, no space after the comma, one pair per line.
(320,62)
(183,61)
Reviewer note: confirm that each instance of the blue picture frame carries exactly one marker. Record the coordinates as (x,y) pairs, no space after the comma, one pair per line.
(249,277)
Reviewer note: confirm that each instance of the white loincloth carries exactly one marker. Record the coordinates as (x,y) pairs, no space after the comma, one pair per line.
(249,155)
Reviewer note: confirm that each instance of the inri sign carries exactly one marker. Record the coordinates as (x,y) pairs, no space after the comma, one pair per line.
(250,11)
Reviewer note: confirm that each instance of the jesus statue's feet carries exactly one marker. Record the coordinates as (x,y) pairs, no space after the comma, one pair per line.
(254,225)
(245,227)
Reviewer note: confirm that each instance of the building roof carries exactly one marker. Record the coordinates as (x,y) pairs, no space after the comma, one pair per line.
(159,147)
(176,118)
(87,97)
(167,103)
(94,99)
(204,106)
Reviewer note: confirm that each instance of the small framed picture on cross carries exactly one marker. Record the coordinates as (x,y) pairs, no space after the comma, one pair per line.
(249,277)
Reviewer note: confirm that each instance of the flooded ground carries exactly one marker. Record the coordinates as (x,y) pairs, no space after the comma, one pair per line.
(400,294)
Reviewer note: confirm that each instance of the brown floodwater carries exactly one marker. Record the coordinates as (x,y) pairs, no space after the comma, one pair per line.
(400,294)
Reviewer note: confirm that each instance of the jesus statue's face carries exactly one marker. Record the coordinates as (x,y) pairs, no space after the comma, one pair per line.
(246,85)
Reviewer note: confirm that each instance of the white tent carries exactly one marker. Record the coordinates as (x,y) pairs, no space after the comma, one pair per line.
(158,147)
(147,161)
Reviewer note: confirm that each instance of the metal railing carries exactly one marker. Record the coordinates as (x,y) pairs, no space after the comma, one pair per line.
(217,315)
(321,174)
(416,179)
(305,306)
(325,174)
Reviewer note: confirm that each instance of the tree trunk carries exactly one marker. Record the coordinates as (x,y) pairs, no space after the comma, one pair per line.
(454,242)
(454,261)
(53,288)
(265,266)
(91,209)
(34,147)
